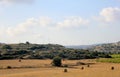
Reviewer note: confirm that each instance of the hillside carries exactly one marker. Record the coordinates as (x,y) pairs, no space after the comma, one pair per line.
(26,50)
(44,51)
(106,47)
(109,47)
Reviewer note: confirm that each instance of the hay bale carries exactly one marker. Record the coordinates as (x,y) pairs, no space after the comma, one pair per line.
(88,65)
(82,68)
(112,68)
(19,60)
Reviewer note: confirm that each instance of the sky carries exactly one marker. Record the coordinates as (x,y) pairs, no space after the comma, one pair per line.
(65,22)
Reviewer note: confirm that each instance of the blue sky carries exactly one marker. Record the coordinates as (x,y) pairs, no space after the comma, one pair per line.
(66,22)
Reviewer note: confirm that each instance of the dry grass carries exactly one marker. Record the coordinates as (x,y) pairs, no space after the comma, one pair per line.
(95,70)
(24,63)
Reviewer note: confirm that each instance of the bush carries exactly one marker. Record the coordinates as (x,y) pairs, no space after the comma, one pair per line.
(57,61)
(9,67)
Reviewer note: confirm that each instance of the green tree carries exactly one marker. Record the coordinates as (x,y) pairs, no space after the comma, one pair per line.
(27,42)
(57,61)
(6,47)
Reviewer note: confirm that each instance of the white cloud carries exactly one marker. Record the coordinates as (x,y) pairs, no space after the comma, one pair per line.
(110,14)
(39,29)
(29,24)
(45,21)
(72,22)
(33,24)
(21,28)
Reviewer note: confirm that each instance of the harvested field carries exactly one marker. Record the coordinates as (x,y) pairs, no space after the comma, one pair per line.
(42,68)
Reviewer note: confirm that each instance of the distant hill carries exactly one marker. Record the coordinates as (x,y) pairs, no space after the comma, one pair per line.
(80,46)
(27,50)
(105,47)
(108,47)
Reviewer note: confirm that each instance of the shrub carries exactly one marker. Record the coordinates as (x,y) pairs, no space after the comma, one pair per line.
(6,47)
(57,61)
(9,67)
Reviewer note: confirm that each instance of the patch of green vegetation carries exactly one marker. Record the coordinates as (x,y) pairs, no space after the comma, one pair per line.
(109,60)
(115,56)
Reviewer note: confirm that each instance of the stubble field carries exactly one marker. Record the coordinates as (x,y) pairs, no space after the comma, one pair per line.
(43,68)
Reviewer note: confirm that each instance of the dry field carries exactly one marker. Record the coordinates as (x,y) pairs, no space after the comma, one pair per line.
(42,68)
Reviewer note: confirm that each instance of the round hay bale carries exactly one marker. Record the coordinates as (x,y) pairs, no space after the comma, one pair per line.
(82,68)
(112,68)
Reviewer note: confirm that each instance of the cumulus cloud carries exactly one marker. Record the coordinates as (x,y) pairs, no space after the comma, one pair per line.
(44,22)
(16,1)
(21,28)
(72,22)
(29,24)
(110,14)
(38,29)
